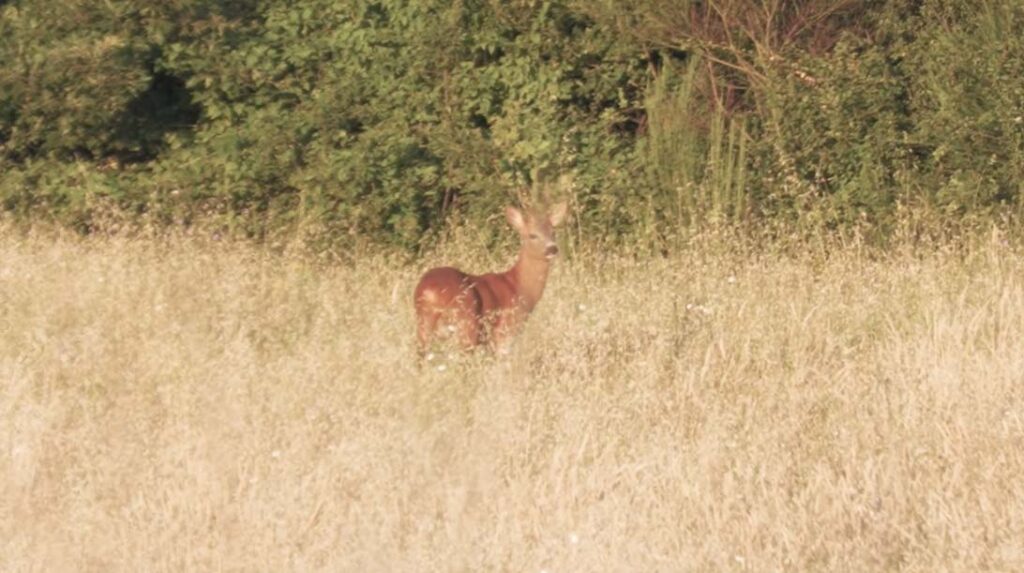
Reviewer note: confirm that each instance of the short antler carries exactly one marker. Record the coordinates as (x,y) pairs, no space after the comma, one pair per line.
(487,309)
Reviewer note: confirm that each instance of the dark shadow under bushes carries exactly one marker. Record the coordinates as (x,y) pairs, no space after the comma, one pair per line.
(380,124)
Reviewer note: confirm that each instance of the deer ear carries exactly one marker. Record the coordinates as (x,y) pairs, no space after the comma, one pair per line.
(515,218)
(558,213)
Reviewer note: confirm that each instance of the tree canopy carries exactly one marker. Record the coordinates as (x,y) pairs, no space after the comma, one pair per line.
(380,121)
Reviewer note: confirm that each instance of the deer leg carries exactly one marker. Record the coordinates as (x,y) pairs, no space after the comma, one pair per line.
(504,327)
(426,325)
(469,322)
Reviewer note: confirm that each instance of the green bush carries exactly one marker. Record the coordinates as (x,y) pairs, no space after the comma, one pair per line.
(969,105)
(381,122)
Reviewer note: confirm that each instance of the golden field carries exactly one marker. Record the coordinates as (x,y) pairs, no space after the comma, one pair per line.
(183,405)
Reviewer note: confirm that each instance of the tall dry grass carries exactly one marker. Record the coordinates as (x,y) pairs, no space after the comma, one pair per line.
(186,406)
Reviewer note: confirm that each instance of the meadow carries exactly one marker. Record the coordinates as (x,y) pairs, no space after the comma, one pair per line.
(187,404)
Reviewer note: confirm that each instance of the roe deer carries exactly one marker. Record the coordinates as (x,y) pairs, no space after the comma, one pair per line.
(487,309)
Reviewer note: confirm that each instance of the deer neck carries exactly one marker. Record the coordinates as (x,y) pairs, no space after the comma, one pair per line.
(529,274)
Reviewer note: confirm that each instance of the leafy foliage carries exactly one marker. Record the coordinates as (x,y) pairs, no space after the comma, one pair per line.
(969,104)
(378,121)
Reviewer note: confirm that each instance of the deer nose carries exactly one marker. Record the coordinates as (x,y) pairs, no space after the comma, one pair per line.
(551,250)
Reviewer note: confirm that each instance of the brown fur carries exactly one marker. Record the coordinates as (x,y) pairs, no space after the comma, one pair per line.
(488,309)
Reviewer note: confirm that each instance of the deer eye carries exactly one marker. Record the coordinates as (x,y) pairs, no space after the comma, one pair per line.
(534,236)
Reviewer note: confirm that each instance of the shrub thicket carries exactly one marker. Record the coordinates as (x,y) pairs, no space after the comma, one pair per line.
(377,121)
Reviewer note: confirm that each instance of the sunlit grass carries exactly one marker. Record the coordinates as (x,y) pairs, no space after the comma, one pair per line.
(193,406)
